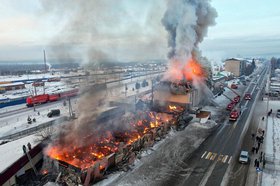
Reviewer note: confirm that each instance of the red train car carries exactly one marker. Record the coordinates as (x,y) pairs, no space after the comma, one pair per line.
(39,99)
(54,97)
(44,98)
(69,93)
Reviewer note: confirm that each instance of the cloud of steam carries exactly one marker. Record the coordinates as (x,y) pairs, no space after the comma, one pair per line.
(187,22)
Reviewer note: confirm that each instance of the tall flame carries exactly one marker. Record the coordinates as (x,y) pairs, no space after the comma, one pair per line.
(190,71)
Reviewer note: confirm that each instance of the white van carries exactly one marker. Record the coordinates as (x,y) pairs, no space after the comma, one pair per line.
(244,157)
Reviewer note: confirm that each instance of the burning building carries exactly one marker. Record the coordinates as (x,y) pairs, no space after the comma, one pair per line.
(109,145)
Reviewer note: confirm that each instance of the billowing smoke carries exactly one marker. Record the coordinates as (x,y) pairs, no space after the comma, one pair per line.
(107,30)
(186,22)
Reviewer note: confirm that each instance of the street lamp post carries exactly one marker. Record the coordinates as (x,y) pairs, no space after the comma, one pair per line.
(268,89)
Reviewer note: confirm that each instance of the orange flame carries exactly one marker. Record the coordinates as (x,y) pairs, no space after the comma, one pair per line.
(193,70)
(189,71)
(104,145)
(172,107)
(175,108)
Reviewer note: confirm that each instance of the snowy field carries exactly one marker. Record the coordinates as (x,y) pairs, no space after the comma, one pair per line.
(271,173)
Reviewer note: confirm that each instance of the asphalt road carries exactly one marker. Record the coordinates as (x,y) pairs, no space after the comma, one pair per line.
(209,164)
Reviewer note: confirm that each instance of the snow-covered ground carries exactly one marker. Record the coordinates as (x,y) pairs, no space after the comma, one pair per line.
(11,108)
(18,122)
(271,172)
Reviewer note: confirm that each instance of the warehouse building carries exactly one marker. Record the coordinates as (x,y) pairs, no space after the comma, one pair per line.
(236,66)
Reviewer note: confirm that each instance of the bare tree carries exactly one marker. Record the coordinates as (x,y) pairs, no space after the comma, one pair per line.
(45,134)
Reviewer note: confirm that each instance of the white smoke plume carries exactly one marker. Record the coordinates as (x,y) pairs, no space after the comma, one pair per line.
(187,22)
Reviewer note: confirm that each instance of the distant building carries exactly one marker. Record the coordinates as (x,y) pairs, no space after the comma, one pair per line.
(236,66)
(12,86)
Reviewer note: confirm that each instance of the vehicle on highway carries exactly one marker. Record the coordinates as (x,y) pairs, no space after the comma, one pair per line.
(247,96)
(55,112)
(233,86)
(244,157)
(236,99)
(233,116)
(230,106)
(278,113)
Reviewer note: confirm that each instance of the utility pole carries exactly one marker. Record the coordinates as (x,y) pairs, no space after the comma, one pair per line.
(33,102)
(71,114)
(268,90)
(45,62)
(32,95)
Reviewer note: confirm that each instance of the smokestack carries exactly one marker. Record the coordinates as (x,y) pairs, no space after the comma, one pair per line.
(45,62)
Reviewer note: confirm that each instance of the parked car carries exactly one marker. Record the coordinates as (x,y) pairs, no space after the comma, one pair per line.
(55,112)
(244,157)
(278,113)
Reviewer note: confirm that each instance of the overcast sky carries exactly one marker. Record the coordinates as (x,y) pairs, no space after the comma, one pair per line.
(130,30)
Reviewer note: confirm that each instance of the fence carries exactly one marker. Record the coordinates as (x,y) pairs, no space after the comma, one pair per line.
(33,129)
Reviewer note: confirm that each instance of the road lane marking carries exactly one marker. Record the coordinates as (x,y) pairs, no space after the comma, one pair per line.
(213,156)
(225,159)
(234,125)
(229,160)
(203,154)
(220,157)
(208,155)
(207,174)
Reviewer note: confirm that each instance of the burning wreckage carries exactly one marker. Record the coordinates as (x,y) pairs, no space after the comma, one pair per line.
(114,139)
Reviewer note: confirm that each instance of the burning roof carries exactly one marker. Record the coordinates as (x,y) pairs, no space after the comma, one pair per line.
(103,139)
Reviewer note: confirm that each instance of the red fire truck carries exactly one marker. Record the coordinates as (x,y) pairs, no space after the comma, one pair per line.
(230,106)
(236,99)
(234,115)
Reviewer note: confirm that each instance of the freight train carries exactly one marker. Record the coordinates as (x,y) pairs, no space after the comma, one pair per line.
(44,98)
